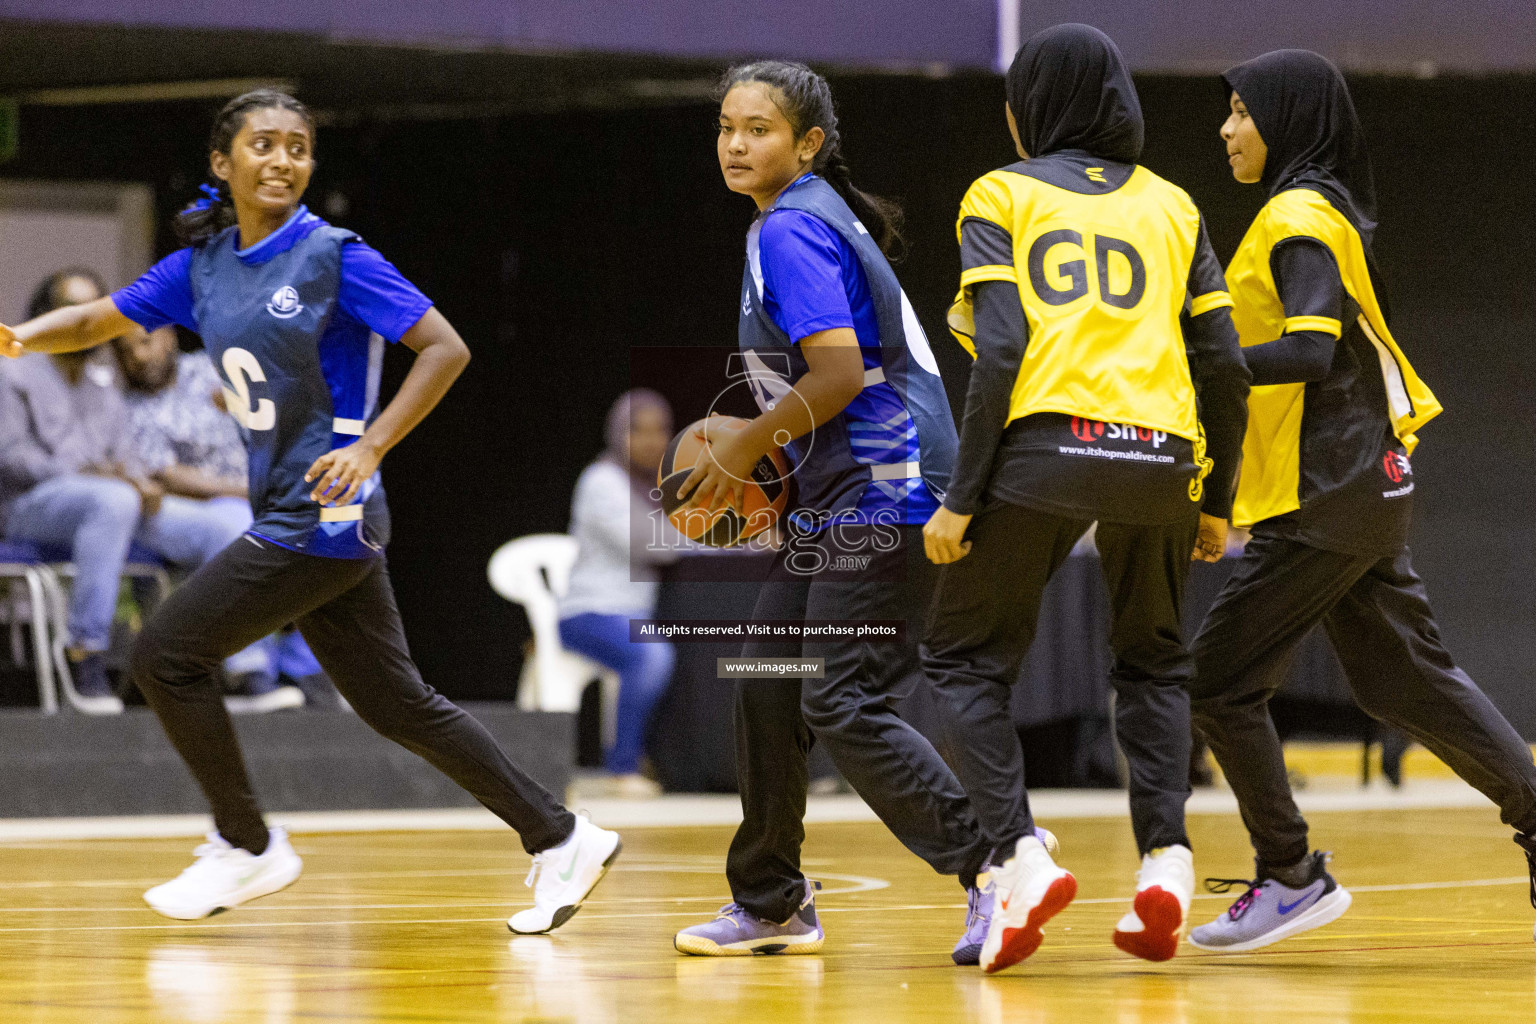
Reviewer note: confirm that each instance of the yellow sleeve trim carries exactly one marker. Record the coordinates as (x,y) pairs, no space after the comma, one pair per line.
(989,199)
(1209,301)
(1325,324)
(992,272)
(962,322)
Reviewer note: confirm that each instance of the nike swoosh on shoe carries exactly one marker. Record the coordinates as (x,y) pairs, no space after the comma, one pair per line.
(1285,908)
(570,869)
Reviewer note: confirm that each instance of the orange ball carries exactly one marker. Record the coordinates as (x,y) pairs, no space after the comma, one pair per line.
(765,498)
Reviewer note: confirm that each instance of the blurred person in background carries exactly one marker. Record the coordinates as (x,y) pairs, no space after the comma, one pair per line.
(180,433)
(615,578)
(68,477)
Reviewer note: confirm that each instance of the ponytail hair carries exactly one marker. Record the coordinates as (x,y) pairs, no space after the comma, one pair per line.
(805,99)
(206,217)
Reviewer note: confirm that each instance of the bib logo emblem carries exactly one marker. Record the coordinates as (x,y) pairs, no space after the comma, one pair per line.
(285,303)
(1396,466)
(1086,430)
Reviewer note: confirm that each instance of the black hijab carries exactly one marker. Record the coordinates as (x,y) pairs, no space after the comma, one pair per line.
(1303,111)
(1069,88)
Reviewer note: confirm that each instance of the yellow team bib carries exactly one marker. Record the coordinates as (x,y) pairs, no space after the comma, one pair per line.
(1271,473)
(1103,279)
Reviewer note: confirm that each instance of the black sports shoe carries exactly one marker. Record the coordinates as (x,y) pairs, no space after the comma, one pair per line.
(92,690)
(1527,842)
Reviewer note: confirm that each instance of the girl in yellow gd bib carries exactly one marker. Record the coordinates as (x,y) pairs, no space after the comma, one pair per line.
(1325,486)
(1108,387)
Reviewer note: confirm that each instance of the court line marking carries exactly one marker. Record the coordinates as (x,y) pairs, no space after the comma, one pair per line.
(725,810)
(1412,886)
(637,864)
(705,863)
(856,884)
(862,884)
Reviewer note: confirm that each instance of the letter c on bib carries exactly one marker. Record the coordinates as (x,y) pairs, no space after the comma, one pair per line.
(242,369)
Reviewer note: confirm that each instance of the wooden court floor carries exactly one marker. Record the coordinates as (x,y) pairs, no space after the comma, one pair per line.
(408,927)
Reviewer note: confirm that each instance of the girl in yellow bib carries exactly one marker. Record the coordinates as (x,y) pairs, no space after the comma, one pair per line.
(1325,486)
(1108,387)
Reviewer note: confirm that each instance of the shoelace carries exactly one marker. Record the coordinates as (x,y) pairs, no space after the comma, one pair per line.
(205,854)
(731,911)
(212,848)
(539,860)
(1243,902)
(972,908)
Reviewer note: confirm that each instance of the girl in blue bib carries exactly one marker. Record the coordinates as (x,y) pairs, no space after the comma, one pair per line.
(848,386)
(295,313)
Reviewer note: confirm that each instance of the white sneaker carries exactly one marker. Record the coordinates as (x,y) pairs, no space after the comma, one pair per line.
(279,698)
(225,876)
(563,876)
(611,787)
(1029,890)
(104,705)
(1159,915)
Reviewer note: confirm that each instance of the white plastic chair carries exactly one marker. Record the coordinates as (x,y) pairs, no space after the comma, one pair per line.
(534,571)
(36,579)
(141,564)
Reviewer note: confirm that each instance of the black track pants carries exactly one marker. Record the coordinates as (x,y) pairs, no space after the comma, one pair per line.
(889,763)
(1378,617)
(983,621)
(346,611)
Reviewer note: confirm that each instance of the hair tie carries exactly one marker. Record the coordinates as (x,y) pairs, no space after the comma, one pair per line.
(211,197)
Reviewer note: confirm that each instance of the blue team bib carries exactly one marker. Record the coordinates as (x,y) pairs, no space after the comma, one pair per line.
(262,324)
(838,466)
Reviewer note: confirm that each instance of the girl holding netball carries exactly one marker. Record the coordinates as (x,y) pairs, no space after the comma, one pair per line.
(848,386)
(295,313)
(1326,489)
(1108,387)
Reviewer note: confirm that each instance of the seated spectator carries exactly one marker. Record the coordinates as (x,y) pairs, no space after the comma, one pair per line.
(67,476)
(615,579)
(186,442)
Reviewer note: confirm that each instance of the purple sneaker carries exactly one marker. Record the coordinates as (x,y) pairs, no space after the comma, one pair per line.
(737,932)
(1263,914)
(978,909)
(978,915)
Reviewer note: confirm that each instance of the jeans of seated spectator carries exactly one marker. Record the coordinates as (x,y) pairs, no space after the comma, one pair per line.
(281,654)
(645,671)
(294,658)
(96,517)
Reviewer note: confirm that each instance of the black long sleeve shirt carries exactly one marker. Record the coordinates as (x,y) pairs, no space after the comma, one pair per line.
(1307,278)
(1355,481)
